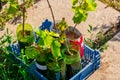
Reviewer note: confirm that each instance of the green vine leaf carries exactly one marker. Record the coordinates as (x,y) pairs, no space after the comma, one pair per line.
(62,25)
(56,49)
(12,9)
(89,5)
(81,9)
(31,52)
(80,15)
(46,37)
(48,40)
(74,2)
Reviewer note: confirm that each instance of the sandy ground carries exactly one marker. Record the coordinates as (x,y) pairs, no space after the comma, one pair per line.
(100,19)
(110,63)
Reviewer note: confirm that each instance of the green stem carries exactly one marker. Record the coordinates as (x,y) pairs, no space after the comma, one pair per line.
(23,21)
(51,12)
(23,16)
(66,44)
(75,27)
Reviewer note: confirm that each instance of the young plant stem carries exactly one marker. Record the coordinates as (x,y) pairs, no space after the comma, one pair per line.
(0,5)
(75,26)
(66,44)
(23,16)
(51,12)
(37,47)
(23,19)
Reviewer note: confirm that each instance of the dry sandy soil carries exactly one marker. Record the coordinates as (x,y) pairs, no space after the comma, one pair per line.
(110,63)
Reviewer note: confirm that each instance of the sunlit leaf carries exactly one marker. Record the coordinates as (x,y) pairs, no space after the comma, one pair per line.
(90,27)
(90,5)
(62,25)
(56,49)
(74,2)
(80,15)
(12,9)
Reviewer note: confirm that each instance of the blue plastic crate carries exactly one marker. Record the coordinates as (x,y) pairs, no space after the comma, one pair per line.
(90,63)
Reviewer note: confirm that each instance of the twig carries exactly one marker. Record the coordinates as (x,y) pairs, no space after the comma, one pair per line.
(23,19)
(75,27)
(66,44)
(51,12)
(23,16)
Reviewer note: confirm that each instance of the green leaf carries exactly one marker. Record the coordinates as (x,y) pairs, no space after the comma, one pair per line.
(53,34)
(74,2)
(48,40)
(80,15)
(12,9)
(46,37)
(31,52)
(89,31)
(91,28)
(56,49)
(89,5)
(81,9)
(62,38)
(62,25)
(41,36)
(28,33)
(85,40)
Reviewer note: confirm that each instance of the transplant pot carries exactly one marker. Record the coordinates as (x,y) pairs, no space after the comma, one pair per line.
(73,60)
(56,69)
(73,63)
(73,36)
(26,37)
(41,67)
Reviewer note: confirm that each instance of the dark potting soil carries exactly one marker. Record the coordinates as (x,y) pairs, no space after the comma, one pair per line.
(71,35)
(50,75)
(73,52)
(43,72)
(23,44)
(72,69)
(26,32)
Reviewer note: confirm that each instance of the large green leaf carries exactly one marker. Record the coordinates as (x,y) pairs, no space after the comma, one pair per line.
(81,9)
(41,36)
(80,15)
(28,33)
(12,9)
(45,38)
(56,49)
(48,40)
(31,52)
